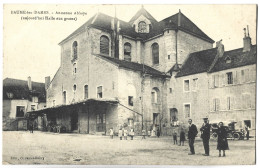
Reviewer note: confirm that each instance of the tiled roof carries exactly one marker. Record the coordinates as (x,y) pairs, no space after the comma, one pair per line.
(201,61)
(103,21)
(20,90)
(238,59)
(198,62)
(134,66)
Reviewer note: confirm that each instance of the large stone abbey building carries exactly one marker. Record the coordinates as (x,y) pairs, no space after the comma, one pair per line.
(147,73)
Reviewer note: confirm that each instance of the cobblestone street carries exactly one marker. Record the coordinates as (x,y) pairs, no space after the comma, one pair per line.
(52,148)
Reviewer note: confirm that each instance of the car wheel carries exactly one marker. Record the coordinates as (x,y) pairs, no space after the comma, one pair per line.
(236,136)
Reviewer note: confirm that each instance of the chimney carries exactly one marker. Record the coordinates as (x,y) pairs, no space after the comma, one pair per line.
(247,41)
(47,82)
(29,83)
(220,48)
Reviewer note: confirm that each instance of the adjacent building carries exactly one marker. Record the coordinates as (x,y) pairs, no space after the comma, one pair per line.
(20,97)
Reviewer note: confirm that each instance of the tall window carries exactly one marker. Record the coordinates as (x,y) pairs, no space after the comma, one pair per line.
(187,110)
(85,91)
(127,52)
(173,114)
(155,53)
(155,95)
(64,97)
(186,85)
(99,92)
(75,50)
(142,27)
(104,45)
(216,104)
(20,111)
(195,84)
(215,80)
(229,78)
(228,103)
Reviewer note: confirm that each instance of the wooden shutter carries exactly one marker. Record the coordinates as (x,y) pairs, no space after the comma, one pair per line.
(104,45)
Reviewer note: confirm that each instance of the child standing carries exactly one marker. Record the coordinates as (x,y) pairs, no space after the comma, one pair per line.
(175,137)
(125,134)
(120,133)
(143,134)
(111,133)
(132,133)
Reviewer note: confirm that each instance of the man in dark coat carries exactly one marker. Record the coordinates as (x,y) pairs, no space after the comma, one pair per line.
(191,136)
(205,135)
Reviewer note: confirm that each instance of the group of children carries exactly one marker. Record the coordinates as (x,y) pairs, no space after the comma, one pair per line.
(123,132)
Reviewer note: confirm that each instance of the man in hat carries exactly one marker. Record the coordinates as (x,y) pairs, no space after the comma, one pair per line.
(205,135)
(191,136)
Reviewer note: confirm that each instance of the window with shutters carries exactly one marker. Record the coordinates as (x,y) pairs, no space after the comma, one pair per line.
(187,110)
(127,52)
(186,85)
(74,50)
(228,103)
(155,53)
(85,91)
(104,45)
(216,104)
(229,78)
(99,92)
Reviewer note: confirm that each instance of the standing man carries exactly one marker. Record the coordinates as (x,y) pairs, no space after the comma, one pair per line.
(205,135)
(191,136)
(247,132)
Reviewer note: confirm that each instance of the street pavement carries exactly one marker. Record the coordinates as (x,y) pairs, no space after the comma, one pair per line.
(23,147)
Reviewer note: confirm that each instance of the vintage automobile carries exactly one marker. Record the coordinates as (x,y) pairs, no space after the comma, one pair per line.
(232,132)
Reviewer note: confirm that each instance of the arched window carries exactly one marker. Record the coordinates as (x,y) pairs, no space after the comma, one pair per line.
(155,53)
(127,52)
(75,50)
(104,45)
(155,95)
(74,87)
(142,27)
(228,60)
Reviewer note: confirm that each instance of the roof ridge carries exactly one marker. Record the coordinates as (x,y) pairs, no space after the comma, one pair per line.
(22,80)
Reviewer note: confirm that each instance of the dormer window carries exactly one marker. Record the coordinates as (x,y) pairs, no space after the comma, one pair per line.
(142,27)
(10,95)
(228,60)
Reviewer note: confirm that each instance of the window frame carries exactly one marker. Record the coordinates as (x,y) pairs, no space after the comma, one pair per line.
(184,85)
(130,100)
(84,92)
(101,92)
(108,49)
(64,102)
(230,79)
(74,54)
(130,56)
(157,60)
(20,111)
(184,110)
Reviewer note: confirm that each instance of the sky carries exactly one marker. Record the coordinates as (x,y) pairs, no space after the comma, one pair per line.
(30,47)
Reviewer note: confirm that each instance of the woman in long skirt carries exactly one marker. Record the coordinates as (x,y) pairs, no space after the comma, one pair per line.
(222,139)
